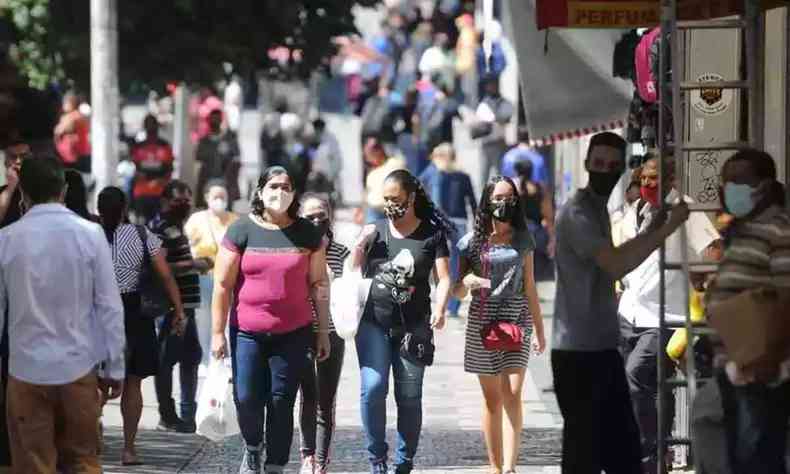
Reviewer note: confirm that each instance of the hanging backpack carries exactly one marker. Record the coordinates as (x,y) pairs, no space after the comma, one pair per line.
(646,80)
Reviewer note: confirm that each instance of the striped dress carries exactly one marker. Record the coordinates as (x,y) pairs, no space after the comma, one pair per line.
(505,301)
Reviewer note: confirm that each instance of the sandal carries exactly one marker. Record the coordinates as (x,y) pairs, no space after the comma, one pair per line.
(130,459)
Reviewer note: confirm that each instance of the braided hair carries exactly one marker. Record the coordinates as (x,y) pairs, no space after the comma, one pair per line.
(483,219)
(424,208)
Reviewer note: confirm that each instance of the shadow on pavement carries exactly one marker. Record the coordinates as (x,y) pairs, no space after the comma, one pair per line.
(162,452)
(450,450)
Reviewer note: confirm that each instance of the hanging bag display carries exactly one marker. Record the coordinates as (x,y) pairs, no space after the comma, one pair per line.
(497,335)
(646,81)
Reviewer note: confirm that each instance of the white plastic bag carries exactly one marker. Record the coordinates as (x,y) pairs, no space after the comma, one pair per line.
(216,412)
(349,294)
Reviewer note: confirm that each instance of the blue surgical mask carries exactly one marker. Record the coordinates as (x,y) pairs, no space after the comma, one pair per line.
(738,199)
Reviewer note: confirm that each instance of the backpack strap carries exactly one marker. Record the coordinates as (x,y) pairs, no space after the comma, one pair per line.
(142,232)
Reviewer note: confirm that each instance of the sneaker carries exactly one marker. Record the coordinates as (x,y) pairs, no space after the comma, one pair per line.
(169,423)
(399,469)
(251,464)
(187,427)
(308,465)
(378,468)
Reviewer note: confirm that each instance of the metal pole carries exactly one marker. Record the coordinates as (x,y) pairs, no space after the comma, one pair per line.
(182,144)
(104,91)
(755,56)
(668,9)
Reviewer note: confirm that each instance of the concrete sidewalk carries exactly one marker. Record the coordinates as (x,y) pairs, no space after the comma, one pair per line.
(451,439)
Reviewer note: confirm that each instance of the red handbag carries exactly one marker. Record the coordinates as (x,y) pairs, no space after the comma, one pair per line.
(497,335)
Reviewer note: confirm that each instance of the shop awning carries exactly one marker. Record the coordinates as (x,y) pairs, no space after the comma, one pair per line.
(632,13)
(568,88)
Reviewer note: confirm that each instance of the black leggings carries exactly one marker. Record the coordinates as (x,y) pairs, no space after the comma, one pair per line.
(318,390)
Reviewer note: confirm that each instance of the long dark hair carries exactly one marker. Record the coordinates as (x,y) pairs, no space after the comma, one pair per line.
(257,205)
(424,208)
(112,210)
(484,217)
(764,168)
(76,194)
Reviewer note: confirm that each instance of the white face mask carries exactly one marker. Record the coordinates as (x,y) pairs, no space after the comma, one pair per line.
(276,200)
(218,205)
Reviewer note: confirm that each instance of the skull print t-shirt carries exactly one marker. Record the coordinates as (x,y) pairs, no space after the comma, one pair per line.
(401,269)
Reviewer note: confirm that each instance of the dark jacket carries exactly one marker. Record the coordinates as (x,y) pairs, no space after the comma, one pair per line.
(455,191)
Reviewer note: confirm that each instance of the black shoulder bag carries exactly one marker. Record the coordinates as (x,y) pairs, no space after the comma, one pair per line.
(154,302)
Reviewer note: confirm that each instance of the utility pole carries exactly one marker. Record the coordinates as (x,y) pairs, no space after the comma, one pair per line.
(105,114)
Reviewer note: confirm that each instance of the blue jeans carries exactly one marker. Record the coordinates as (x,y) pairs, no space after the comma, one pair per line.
(186,352)
(266,373)
(377,352)
(460,231)
(756,421)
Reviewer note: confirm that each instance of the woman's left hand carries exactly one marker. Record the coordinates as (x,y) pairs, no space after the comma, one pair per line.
(539,342)
(323,347)
(438,320)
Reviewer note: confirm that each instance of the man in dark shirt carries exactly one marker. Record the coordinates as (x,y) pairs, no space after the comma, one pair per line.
(218,156)
(178,340)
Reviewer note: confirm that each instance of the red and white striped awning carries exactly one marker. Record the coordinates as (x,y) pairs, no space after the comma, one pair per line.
(577,133)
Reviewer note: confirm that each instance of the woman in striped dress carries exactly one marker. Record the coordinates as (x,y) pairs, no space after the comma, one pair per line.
(496,265)
(318,386)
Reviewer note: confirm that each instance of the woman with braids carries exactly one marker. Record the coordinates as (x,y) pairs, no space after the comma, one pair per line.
(272,266)
(400,253)
(497,266)
(129,244)
(319,382)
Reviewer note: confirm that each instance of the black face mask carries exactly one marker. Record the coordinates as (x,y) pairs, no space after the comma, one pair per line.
(603,183)
(180,212)
(322,226)
(503,210)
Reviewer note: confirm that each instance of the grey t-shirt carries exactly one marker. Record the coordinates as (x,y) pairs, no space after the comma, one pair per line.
(585,317)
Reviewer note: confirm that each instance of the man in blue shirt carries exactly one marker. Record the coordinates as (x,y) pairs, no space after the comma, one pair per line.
(524,152)
(65,319)
(451,190)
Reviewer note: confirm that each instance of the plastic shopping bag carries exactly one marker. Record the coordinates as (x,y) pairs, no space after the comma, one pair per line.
(216,412)
(348,296)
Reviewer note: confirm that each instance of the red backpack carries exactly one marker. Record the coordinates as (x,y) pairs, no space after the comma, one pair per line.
(646,80)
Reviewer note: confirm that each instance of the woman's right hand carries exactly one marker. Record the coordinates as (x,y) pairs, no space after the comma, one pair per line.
(474,282)
(219,346)
(366,236)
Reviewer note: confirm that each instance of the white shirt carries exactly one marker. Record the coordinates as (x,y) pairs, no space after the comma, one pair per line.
(639,303)
(65,314)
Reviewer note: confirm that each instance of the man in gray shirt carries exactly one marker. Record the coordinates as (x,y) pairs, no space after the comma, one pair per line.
(600,431)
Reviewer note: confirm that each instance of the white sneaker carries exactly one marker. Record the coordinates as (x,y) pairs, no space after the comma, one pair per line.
(308,465)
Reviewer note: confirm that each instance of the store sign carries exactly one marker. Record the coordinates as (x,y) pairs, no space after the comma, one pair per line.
(583,14)
(713,101)
(632,13)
